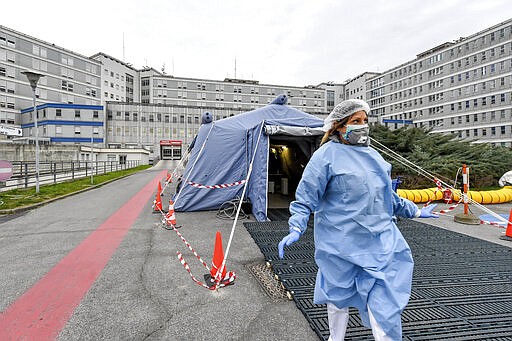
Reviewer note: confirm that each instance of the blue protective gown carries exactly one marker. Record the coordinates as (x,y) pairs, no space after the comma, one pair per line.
(363,259)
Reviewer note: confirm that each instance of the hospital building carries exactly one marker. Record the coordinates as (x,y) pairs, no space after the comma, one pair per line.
(462,87)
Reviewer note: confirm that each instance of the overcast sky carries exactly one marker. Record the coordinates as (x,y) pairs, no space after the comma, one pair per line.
(282,42)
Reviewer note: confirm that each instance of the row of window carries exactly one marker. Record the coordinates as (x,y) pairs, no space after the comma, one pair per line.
(491,116)
(501,65)
(485,39)
(160,83)
(112,85)
(461,77)
(58,130)
(151,132)
(115,75)
(483,57)
(483,102)
(116,97)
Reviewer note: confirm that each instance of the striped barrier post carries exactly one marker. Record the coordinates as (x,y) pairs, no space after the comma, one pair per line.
(466,217)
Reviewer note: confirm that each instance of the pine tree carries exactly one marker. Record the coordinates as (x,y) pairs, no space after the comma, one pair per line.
(443,155)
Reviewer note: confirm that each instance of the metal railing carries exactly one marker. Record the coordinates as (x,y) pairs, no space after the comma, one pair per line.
(24,173)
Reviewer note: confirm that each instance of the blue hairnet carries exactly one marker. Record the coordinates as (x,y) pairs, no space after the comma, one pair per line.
(345,109)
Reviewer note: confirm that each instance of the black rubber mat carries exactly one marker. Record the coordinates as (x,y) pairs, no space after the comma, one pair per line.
(462,286)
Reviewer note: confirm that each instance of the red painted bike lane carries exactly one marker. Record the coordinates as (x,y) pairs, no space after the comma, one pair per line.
(42,311)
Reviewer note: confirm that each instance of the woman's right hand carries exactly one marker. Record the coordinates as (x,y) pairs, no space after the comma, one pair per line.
(291,238)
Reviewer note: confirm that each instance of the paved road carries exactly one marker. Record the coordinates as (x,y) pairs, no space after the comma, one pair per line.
(92,267)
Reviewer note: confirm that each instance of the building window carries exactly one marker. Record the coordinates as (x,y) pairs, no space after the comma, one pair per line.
(58,112)
(77,113)
(77,130)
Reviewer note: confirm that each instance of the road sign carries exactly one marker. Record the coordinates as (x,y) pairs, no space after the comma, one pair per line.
(5,170)
(11,131)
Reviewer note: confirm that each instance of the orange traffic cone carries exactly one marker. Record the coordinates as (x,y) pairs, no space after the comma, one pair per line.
(168,179)
(170,217)
(508,232)
(157,204)
(218,258)
(159,188)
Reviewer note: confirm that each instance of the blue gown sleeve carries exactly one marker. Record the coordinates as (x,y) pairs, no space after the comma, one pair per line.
(309,192)
(403,207)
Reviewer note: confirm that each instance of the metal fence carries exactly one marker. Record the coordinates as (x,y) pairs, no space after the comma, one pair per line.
(24,173)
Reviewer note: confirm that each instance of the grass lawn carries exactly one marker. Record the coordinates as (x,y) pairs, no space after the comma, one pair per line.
(16,198)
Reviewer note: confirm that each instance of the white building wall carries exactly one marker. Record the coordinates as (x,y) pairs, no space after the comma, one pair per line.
(115,80)
(462,87)
(68,76)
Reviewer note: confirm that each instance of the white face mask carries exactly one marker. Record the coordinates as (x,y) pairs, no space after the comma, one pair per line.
(357,134)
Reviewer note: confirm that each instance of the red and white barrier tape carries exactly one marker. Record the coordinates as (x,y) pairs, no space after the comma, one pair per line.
(230,276)
(196,185)
(438,188)
(485,222)
(184,240)
(217,282)
(451,208)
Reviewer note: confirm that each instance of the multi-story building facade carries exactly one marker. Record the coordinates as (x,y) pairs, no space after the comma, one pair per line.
(119,80)
(163,129)
(71,82)
(462,87)
(65,123)
(171,107)
(334,94)
(356,87)
(241,94)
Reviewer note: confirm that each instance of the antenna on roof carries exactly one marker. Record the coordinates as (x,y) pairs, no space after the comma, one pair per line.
(235,67)
(123,46)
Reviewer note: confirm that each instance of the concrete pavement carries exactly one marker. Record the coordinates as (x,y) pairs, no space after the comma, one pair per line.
(143,292)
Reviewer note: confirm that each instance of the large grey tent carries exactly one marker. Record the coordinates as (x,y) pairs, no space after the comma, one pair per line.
(224,150)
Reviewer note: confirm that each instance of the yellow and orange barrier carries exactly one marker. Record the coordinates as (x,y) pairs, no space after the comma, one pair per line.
(498,196)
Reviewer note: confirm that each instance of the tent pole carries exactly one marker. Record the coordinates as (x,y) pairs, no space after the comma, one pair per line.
(241,200)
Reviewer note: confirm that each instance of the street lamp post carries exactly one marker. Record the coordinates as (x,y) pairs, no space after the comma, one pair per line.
(33,78)
(92,146)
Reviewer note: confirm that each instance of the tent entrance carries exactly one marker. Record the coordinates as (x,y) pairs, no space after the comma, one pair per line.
(288,156)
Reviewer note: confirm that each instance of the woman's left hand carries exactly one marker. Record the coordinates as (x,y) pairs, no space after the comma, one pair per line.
(426,212)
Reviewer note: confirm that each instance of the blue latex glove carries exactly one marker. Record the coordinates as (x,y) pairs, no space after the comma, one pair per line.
(426,212)
(291,238)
